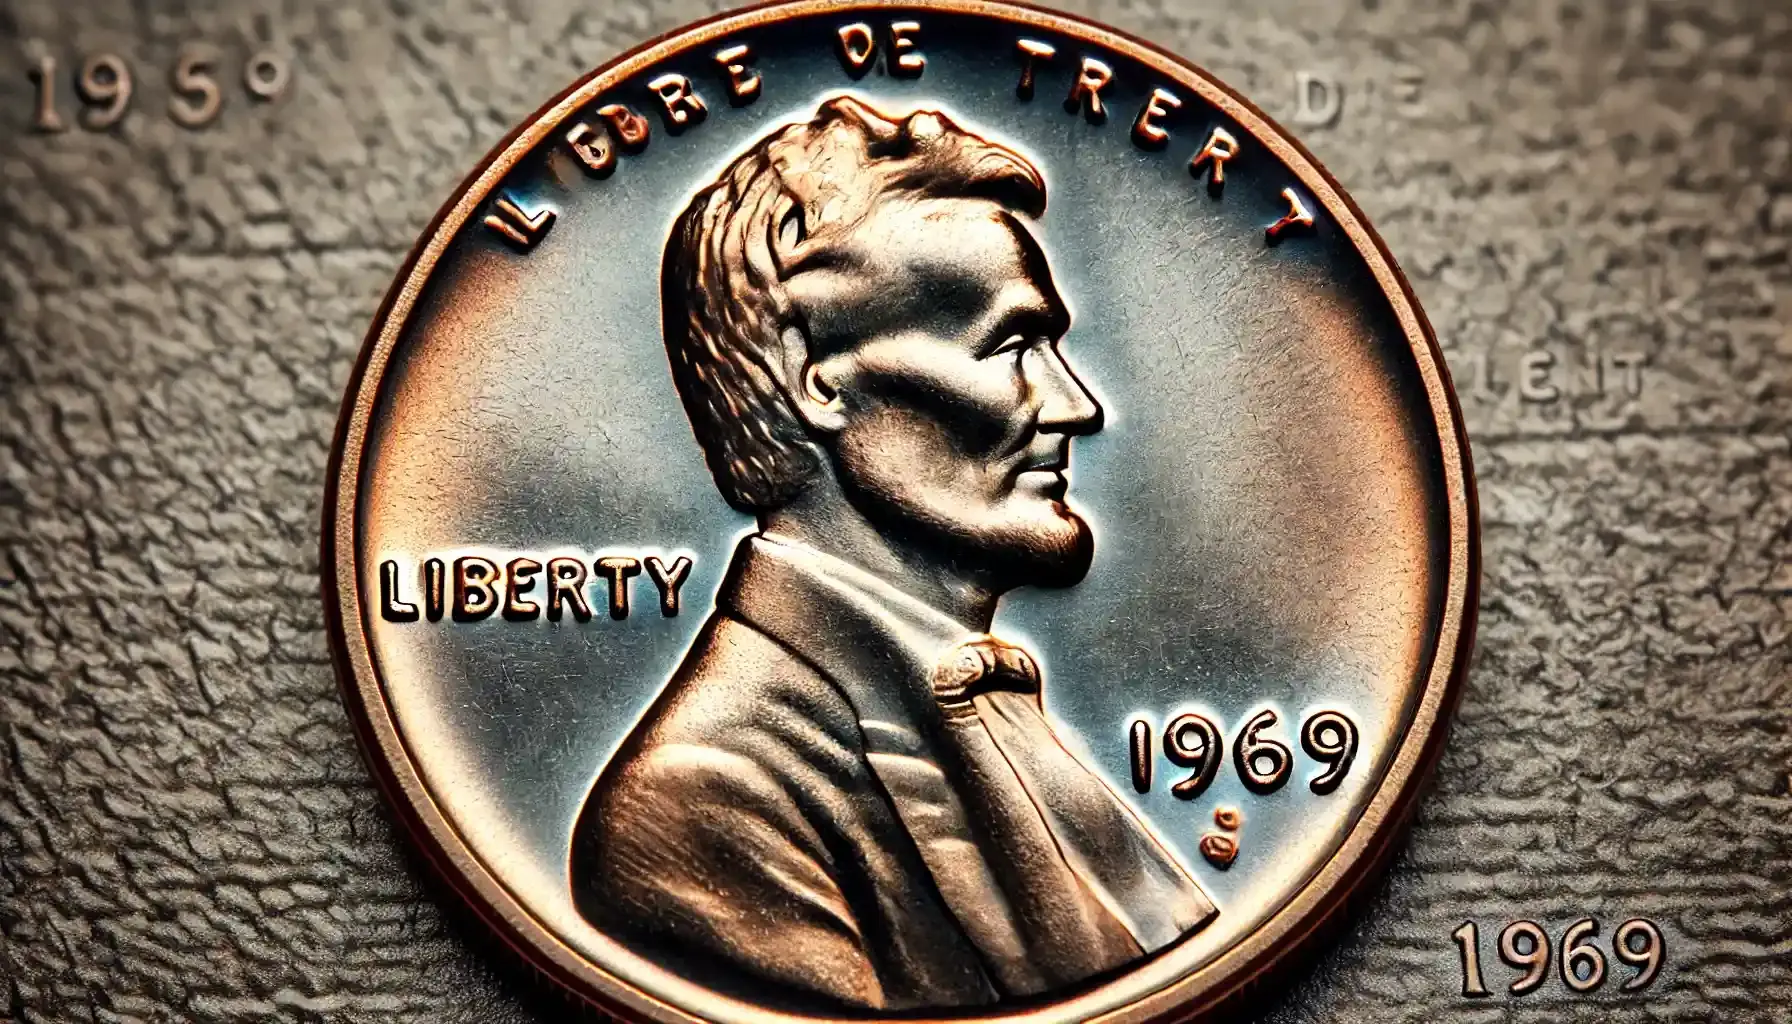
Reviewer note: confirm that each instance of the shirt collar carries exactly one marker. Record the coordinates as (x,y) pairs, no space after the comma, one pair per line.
(877,643)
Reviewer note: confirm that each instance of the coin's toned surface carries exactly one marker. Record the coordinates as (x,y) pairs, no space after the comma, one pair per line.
(933,507)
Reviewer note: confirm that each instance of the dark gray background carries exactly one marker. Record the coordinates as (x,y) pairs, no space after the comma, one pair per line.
(187,832)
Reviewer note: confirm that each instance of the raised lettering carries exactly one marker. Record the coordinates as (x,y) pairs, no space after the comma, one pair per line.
(1139,745)
(1468,944)
(392,607)
(435,589)
(104,79)
(1085,92)
(475,590)
(519,579)
(1298,216)
(522,230)
(1630,370)
(743,83)
(43,75)
(668,580)
(908,63)
(630,129)
(1031,53)
(618,570)
(1220,147)
(592,147)
(857,47)
(684,107)
(265,75)
(197,97)
(1317,100)
(1534,384)
(566,587)
(1146,131)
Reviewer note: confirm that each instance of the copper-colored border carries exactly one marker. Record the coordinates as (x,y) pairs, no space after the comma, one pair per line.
(1126,998)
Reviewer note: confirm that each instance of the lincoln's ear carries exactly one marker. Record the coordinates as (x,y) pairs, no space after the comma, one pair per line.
(807,387)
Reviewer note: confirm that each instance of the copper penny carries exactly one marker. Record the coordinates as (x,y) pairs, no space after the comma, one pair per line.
(844,493)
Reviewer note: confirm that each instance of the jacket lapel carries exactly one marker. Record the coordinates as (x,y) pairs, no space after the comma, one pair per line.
(1049,874)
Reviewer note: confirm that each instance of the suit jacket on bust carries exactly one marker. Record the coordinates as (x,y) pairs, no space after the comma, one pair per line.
(826,799)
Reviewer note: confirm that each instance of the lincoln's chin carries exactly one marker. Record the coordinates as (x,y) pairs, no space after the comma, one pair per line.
(1079,553)
(1056,552)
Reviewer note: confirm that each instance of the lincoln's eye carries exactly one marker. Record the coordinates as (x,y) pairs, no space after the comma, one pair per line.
(1016,345)
(790,229)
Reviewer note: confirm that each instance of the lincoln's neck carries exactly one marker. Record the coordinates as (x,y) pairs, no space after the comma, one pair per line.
(823,519)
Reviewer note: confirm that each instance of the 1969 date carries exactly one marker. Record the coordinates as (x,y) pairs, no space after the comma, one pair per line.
(1263,764)
(1525,945)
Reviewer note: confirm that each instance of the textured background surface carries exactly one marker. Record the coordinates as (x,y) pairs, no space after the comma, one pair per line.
(186,832)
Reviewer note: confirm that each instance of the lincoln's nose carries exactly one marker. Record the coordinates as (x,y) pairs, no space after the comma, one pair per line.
(1066,406)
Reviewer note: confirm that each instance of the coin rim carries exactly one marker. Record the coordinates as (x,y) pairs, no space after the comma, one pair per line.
(1123,999)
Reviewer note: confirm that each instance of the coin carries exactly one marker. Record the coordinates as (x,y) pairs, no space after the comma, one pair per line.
(936,507)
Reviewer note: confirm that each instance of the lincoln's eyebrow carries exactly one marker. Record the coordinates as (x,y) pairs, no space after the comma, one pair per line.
(1028,321)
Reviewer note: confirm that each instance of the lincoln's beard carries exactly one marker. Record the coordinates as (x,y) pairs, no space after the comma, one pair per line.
(1050,552)
(1023,540)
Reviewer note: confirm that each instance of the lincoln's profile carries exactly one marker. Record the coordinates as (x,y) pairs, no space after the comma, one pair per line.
(848,795)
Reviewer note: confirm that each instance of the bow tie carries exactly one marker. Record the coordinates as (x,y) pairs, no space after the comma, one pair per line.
(983,665)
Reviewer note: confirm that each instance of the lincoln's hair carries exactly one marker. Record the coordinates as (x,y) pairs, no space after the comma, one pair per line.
(785,205)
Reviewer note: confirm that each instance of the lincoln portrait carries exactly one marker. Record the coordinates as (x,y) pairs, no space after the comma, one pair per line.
(848,795)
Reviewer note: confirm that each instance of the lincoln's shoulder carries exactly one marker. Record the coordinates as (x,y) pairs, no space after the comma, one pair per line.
(738,689)
(743,724)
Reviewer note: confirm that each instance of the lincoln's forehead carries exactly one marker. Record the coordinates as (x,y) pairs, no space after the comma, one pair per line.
(946,264)
(943,218)
(928,236)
